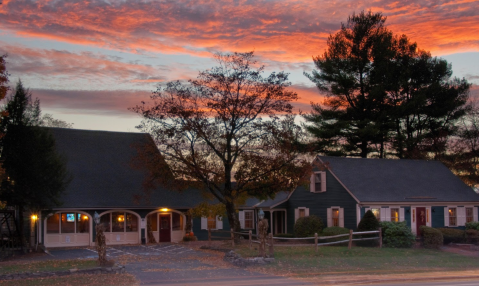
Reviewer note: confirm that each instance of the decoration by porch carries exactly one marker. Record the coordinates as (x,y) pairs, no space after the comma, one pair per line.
(263,232)
(151,237)
(100,241)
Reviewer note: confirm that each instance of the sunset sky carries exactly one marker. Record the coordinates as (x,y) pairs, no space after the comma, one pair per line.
(88,61)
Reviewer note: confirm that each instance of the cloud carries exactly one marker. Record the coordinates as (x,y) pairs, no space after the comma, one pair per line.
(286,31)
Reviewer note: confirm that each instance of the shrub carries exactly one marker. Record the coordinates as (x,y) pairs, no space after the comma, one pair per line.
(397,234)
(472,236)
(284,235)
(189,238)
(335,230)
(368,222)
(453,235)
(432,238)
(308,226)
(472,225)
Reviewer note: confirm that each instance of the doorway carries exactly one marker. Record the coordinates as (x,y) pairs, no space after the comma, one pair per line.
(165,228)
(420,219)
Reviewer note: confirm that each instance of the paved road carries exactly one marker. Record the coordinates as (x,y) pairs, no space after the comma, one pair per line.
(435,283)
(172,264)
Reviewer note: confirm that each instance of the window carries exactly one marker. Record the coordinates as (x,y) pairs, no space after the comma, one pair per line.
(318,182)
(119,222)
(83,224)
(377,213)
(105,220)
(177,221)
(211,222)
(452,217)
(395,215)
(131,222)
(68,223)
(248,219)
(53,224)
(153,222)
(469,215)
(335,213)
(302,212)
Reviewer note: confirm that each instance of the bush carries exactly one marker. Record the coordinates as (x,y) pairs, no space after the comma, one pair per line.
(335,230)
(397,234)
(308,226)
(189,238)
(368,222)
(453,235)
(472,236)
(472,225)
(432,238)
(284,235)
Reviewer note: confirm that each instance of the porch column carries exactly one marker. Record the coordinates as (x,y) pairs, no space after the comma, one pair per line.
(272,222)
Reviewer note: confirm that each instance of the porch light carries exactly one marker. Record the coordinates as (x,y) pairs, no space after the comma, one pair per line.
(85,217)
(164,209)
(261,214)
(34,217)
(96,218)
(121,218)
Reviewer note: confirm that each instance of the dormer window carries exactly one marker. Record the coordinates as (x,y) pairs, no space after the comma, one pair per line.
(318,182)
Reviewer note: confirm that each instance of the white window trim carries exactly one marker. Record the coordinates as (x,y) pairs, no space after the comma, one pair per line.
(329,212)
(219,223)
(296,212)
(312,184)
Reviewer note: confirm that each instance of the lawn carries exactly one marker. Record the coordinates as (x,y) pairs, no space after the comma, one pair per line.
(303,261)
(90,280)
(8,267)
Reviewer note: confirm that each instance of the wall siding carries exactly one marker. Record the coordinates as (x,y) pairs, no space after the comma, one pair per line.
(318,203)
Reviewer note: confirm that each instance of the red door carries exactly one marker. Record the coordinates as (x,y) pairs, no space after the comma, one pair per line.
(420,219)
(165,228)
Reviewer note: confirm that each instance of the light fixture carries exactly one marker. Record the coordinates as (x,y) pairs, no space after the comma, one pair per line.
(96,218)
(164,209)
(85,217)
(34,217)
(261,214)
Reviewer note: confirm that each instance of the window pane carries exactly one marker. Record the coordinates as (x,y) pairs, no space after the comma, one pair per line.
(452,217)
(83,224)
(377,213)
(68,223)
(53,224)
(153,221)
(211,223)
(469,215)
(335,217)
(302,213)
(117,222)
(395,215)
(131,222)
(248,219)
(177,221)
(105,220)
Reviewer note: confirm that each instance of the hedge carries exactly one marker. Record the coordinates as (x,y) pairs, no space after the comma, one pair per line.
(308,226)
(472,225)
(472,236)
(432,238)
(397,234)
(453,235)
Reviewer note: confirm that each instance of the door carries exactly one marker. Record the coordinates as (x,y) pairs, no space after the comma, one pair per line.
(165,228)
(420,219)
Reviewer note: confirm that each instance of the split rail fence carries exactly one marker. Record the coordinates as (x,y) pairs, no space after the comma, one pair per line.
(270,238)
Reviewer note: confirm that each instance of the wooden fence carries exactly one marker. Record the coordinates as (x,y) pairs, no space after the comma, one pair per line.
(270,239)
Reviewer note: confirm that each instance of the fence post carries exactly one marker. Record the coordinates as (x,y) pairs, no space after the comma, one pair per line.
(316,242)
(250,239)
(271,249)
(380,238)
(232,239)
(350,239)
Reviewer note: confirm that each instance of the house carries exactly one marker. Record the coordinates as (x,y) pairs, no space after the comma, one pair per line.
(416,191)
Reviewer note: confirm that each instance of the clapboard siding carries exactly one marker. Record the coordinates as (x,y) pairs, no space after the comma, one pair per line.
(318,203)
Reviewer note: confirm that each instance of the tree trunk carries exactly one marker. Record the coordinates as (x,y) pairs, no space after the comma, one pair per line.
(233,219)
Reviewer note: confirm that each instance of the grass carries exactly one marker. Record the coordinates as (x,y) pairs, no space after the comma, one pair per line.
(91,280)
(303,261)
(43,266)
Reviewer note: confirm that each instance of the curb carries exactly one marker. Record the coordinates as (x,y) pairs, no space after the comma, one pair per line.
(397,279)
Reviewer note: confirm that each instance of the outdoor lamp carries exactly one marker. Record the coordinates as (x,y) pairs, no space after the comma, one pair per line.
(96,217)
(261,214)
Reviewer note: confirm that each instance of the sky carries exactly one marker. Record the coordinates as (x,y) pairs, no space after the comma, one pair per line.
(89,61)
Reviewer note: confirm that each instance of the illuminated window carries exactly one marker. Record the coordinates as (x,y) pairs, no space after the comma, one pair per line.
(131,223)
(395,215)
(211,222)
(452,217)
(177,221)
(83,224)
(105,220)
(68,223)
(153,222)
(302,212)
(377,213)
(53,224)
(335,217)
(248,219)
(469,215)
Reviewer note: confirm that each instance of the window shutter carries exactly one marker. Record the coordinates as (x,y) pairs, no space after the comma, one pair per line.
(341,217)
(401,214)
(204,223)
(306,212)
(461,216)
(413,220)
(387,214)
(428,216)
(323,181)
(312,184)
(219,222)
(446,216)
(241,219)
(330,217)
(474,213)
(296,214)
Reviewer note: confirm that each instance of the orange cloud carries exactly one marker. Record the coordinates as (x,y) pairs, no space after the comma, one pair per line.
(286,31)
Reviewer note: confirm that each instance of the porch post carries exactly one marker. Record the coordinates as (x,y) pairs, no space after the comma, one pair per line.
(271,212)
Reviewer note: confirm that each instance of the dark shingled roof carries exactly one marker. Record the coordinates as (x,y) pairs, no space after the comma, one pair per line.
(385,180)
(103,176)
